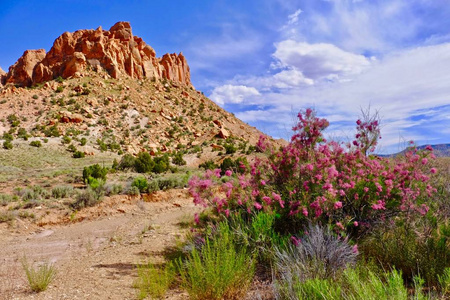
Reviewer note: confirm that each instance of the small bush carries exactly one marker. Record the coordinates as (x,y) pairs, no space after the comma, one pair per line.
(319,254)
(62,191)
(144,163)
(113,189)
(153,281)
(178,160)
(126,162)
(37,144)
(218,270)
(78,154)
(5,199)
(94,171)
(141,183)
(7,145)
(8,136)
(39,278)
(83,141)
(86,198)
(59,89)
(208,165)
(66,140)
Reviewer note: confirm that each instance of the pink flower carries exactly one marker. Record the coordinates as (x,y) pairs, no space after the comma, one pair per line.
(227,213)
(196,219)
(355,249)
(228,173)
(379,205)
(305,211)
(424,161)
(267,200)
(295,241)
(433,170)
(366,189)
(257,206)
(355,224)
(339,224)
(338,205)
(263,182)
(217,172)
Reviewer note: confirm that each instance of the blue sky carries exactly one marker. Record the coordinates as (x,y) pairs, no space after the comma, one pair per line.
(265,60)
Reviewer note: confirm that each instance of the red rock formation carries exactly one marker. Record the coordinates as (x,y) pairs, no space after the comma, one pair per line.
(2,76)
(21,73)
(116,51)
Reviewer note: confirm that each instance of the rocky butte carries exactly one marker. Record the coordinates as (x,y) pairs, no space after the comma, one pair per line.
(116,51)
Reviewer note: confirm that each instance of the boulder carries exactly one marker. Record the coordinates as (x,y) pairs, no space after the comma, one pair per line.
(223,133)
(21,73)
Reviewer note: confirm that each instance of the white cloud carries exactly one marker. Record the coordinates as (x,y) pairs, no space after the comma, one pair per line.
(232,93)
(405,86)
(293,18)
(319,61)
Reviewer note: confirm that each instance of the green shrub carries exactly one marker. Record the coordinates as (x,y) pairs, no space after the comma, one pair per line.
(94,171)
(178,160)
(161,164)
(13,120)
(71,148)
(444,282)
(59,89)
(8,136)
(83,141)
(208,165)
(52,131)
(113,189)
(7,217)
(37,144)
(5,199)
(126,162)
(230,148)
(258,235)
(86,198)
(237,166)
(218,270)
(153,281)
(7,145)
(66,140)
(144,163)
(62,191)
(141,183)
(39,278)
(78,154)
(22,133)
(133,191)
(411,247)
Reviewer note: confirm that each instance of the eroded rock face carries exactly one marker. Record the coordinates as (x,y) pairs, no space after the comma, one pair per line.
(116,51)
(21,73)
(2,77)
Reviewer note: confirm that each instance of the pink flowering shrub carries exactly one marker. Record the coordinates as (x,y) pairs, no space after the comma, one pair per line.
(312,180)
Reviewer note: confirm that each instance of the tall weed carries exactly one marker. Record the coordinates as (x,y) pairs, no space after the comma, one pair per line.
(218,270)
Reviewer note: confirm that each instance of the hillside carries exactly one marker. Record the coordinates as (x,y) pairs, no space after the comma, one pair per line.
(109,86)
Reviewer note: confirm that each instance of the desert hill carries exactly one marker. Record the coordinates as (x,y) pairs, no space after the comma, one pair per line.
(108,87)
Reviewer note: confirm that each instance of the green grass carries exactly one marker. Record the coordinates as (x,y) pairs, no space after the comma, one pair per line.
(39,277)
(153,281)
(218,270)
(45,161)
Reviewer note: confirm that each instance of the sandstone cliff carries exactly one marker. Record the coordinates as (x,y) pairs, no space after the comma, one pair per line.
(2,76)
(116,51)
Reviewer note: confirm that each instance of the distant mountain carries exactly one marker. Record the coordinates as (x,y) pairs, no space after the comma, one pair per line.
(440,150)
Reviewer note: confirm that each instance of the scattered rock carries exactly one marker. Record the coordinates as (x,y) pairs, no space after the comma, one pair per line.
(223,133)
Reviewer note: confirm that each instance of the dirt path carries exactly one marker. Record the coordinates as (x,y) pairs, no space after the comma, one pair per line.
(96,259)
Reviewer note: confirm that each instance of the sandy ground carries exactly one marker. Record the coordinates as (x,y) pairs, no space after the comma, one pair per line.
(95,258)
